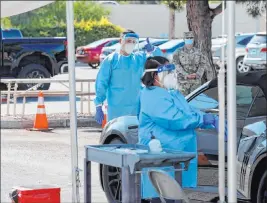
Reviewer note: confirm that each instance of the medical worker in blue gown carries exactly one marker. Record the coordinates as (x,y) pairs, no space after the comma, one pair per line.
(119,78)
(165,112)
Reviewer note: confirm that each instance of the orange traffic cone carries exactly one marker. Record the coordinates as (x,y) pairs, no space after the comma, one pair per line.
(104,122)
(40,122)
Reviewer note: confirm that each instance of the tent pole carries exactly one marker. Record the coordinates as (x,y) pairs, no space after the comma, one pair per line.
(73,111)
(221,96)
(231,105)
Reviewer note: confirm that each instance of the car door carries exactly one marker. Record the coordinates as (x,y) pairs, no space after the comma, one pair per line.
(252,138)
(207,101)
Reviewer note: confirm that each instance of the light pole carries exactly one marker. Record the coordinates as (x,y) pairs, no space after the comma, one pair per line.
(231,105)
(221,96)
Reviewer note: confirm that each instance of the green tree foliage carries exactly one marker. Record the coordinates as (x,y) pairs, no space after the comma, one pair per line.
(85,31)
(255,8)
(177,5)
(6,23)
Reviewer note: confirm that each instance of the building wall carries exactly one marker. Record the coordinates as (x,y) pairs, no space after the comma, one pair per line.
(153,20)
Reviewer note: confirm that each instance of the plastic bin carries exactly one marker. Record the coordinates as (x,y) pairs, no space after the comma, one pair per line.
(36,194)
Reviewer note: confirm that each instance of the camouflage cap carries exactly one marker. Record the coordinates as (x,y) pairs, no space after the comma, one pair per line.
(188,34)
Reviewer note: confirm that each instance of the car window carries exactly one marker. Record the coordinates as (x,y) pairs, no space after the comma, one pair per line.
(96,43)
(170,44)
(256,128)
(112,42)
(209,99)
(114,46)
(259,107)
(259,39)
(245,41)
(11,34)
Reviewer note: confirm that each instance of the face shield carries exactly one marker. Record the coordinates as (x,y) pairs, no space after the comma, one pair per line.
(167,76)
(129,42)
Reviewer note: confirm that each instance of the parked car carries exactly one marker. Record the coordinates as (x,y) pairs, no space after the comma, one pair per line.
(11,33)
(110,49)
(114,3)
(241,42)
(170,47)
(256,49)
(31,57)
(251,95)
(90,53)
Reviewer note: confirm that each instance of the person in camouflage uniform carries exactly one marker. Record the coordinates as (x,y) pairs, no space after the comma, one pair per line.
(190,65)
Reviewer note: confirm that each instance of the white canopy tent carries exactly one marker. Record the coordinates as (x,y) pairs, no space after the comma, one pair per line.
(10,8)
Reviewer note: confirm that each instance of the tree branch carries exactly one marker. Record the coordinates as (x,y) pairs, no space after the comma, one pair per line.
(216,11)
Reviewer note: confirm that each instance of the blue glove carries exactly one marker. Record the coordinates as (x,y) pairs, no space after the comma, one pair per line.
(99,116)
(148,47)
(209,119)
(216,125)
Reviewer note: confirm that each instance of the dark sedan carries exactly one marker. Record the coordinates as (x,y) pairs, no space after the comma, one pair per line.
(251,96)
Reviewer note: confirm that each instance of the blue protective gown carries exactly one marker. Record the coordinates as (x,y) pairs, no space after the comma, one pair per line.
(119,81)
(173,121)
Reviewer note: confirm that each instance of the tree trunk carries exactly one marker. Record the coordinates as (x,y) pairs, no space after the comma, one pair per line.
(199,19)
(172,23)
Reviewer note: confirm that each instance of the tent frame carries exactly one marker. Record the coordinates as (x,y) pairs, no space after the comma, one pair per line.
(73,111)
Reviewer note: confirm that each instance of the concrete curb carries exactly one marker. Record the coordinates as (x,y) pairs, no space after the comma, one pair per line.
(53,123)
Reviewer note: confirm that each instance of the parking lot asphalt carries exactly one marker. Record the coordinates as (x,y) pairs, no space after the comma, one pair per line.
(39,158)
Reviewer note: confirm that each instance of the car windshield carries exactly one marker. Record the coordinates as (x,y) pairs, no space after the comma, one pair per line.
(96,43)
(171,44)
(115,45)
(12,34)
(245,41)
(111,43)
(259,39)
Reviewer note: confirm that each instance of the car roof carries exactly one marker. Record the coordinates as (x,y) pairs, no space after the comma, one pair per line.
(171,43)
(255,78)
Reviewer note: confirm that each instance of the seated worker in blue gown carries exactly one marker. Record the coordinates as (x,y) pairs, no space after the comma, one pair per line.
(164,111)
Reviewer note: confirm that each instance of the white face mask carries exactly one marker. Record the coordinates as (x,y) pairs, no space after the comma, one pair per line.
(170,81)
(129,47)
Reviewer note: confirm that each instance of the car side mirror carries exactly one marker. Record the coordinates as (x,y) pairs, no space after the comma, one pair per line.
(215,111)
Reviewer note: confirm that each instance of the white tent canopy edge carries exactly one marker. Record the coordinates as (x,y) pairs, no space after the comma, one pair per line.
(11,8)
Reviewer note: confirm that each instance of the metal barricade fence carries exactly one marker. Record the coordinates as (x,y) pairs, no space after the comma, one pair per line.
(12,85)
